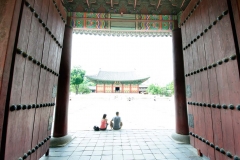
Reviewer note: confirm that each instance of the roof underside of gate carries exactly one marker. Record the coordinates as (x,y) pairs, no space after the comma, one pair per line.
(125,17)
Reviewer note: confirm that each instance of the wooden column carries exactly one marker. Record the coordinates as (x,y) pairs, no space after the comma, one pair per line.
(104,88)
(112,88)
(61,112)
(130,88)
(179,84)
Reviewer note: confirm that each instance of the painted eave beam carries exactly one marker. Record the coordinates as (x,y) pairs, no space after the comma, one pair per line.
(122,20)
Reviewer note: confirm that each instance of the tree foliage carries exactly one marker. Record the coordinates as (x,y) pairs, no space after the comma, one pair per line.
(88,83)
(84,89)
(167,90)
(77,77)
(170,88)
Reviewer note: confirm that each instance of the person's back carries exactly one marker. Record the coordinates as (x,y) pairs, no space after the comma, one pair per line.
(117,122)
(104,123)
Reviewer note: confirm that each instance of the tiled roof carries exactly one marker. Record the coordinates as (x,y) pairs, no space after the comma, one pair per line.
(117,76)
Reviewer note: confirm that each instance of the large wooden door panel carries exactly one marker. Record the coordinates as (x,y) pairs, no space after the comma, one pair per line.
(48,89)
(218,123)
(207,58)
(29,91)
(223,50)
(187,69)
(40,126)
(35,75)
(15,118)
(199,60)
(213,75)
(43,43)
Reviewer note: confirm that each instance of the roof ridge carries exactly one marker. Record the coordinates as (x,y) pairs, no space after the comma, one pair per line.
(99,72)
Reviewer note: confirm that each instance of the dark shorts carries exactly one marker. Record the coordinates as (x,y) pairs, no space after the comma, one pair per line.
(103,129)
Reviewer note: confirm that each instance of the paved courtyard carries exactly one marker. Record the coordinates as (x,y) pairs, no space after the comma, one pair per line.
(146,132)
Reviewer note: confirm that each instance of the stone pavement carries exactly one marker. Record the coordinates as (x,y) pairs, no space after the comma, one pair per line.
(123,145)
(147,126)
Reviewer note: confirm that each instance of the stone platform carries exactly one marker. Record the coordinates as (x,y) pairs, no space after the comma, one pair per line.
(146,132)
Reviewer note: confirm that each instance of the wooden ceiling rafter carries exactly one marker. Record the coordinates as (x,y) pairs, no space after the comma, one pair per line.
(151,7)
(182,3)
(89,2)
(112,3)
(159,3)
(156,5)
(135,4)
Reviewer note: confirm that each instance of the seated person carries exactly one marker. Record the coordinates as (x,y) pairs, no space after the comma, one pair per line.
(104,123)
(116,122)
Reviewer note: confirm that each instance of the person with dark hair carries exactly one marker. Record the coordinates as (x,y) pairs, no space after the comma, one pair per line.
(104,123)
(116,122)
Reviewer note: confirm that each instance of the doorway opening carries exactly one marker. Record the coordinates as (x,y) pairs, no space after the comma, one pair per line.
(117,89)
(146,56)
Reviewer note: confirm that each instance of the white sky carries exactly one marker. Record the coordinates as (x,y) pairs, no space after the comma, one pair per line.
(150,56)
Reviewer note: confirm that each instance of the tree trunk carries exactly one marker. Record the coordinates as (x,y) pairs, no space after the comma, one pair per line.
(76,89)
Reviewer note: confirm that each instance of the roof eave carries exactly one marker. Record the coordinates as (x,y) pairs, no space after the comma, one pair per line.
(95,80)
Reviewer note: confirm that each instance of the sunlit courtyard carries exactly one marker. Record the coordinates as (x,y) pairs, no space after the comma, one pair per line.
(136,110)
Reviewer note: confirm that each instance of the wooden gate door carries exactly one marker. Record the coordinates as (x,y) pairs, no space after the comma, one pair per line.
(35,67)
(212,78)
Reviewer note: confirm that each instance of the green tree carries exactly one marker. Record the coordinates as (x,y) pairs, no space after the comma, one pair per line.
(153,89)
(167,90)
(77,77)
(87,82)
(84,89)
(150,88)
(170,88)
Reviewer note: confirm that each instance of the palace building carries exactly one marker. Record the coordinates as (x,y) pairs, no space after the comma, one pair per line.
(117,82)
